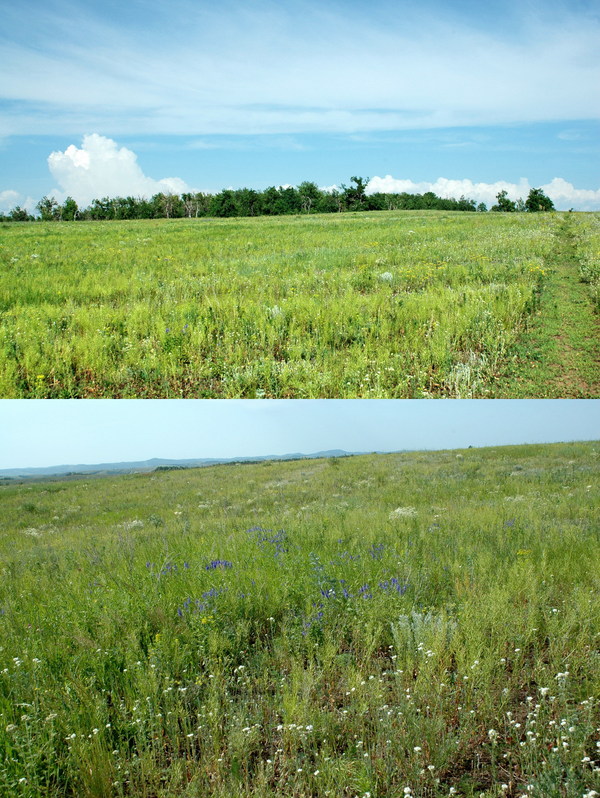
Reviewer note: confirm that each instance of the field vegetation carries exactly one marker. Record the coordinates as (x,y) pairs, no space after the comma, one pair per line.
(386,304)
(422,624)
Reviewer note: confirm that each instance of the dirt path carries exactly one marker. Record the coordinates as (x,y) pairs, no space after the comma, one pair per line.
(559,355)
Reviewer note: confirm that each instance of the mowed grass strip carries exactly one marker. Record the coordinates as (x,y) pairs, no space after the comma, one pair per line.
(398,304)
(425,622)
(559,354)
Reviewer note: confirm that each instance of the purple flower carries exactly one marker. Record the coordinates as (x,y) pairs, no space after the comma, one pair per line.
(213,564)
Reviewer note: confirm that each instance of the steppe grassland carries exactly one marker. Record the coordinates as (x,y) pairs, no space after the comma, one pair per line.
(398,304)
(587,243)
(424,624)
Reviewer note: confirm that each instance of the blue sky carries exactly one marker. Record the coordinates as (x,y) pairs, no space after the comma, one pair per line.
(144,96)
(42,433)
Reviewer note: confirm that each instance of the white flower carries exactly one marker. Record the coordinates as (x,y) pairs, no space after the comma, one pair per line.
(403,512)
(386,277)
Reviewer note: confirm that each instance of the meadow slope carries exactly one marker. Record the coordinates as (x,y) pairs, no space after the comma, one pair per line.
(422,624)
(386,304)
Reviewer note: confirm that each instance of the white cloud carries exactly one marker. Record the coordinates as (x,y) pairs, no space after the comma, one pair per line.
(563,194)
(191,68)
(103,169)
(9,199)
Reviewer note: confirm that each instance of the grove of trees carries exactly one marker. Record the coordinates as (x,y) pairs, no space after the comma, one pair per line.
(272,201)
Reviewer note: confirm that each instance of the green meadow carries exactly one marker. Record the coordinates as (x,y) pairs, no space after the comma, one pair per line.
(422,624)
(386,304)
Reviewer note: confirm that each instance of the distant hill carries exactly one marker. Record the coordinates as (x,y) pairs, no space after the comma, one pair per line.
(155,463)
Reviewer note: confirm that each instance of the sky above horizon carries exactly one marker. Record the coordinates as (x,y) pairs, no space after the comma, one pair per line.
(36,433)
(456,97)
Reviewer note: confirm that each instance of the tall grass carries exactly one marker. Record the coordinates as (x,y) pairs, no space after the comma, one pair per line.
(398,304)
(587,245)
(424,624)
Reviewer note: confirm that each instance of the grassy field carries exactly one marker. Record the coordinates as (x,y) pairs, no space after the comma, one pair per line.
(390,305)
(422,624)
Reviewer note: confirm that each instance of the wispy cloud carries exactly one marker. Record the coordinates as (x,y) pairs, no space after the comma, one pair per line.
(245,143)
(194,69)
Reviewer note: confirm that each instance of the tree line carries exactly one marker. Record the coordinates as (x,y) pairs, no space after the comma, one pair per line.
(305,198)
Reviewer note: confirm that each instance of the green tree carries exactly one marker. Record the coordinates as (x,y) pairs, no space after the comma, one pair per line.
(538,201)
(48,208)
(19,214)
(69,210)
(503,203)
(309,195)
(354,195)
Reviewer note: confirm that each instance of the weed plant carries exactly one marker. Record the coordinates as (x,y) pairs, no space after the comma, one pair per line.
(588,252)
(387,304)
(422,624)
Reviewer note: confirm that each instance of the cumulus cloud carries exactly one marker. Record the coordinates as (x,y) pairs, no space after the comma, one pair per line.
(563,194)
(100,168)
(9,199)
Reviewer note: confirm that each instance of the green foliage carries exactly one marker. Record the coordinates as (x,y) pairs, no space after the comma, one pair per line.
(423,620)
(19,214)
(587,247)
(385,305)
(538,201)
(69,210)
(273,201)
(49,209)
(503,203)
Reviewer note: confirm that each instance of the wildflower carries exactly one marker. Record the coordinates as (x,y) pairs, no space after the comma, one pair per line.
(403,512)
(213,564)
(493,735)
